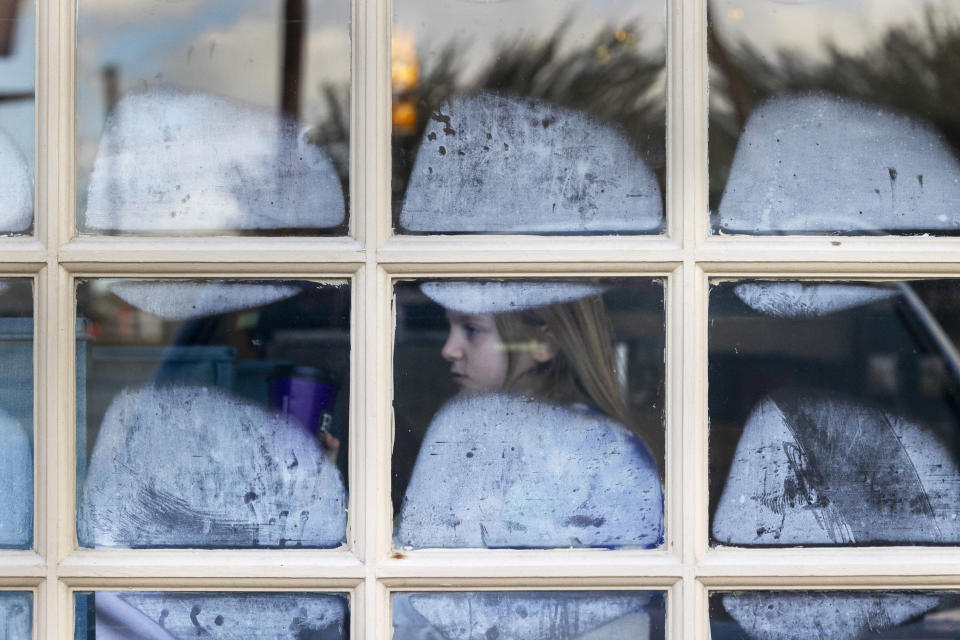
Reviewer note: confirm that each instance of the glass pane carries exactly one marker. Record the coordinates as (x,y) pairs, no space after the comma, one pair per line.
(834,117)
(529,414)
(211,117)
(834,412)
(17,44)
(213,414)
(529,615)
(156,615)
(839,615)
(529,117)
(16,615)
(16,413)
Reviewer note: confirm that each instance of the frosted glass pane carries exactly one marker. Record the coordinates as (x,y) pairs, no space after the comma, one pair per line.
(529,117)
(17,100)
(834,117)
(834,413)
(530,615)
(215,413)
(157,615)
(210,117)
(529,414)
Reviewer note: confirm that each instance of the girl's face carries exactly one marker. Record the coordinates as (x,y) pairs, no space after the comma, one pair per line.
(477,356)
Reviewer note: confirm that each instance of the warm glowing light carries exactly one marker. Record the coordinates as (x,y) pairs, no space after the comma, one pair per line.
(404,117)
(404,64)
(735,14)
(621,35)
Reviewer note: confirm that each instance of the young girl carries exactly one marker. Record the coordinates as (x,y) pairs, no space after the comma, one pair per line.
(539,449)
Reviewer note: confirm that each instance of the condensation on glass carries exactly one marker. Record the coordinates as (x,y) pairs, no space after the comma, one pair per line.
(530,615)
(156,615)
(529,117)
(210,117)
(213,413)
(529,414)
(16,615)
(16,413)
(834,117)
(17,100)
(838,615)
(834,412)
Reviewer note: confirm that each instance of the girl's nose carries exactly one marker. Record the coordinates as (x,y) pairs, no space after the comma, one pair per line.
(451,350)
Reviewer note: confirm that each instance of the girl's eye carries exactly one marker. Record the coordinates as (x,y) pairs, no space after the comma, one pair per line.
(471,330)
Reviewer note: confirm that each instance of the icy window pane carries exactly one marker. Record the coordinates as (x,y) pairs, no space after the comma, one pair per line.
(833,118)
(838,615)
(16,615)
(205,117)
(833,413)
(16,413)
(530,615)
(156,615)
(17,99)
(530,117)
(542,421)
(212,413)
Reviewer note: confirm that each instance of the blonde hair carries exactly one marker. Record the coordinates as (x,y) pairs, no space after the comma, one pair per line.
(582,368)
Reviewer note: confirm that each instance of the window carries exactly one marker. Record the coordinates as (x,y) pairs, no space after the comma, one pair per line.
(215,211)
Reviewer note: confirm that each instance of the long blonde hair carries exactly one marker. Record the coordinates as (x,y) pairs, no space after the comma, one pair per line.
(582,368)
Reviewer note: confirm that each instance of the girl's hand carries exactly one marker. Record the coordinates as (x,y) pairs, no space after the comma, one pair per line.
(331,446)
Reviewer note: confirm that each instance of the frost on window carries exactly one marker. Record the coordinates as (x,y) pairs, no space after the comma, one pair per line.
(200,117)
(212,413)
(17,125)
(833,415)
(174,161)
(16,615)
(526,414)
(16,483)
(129,615)
(838,615)
(16,188)
(821,163)
(506,165)
(242,477)
(183,300)
(496,470)
(545,615)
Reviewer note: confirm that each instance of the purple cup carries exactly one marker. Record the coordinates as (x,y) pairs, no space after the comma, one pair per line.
(304,393)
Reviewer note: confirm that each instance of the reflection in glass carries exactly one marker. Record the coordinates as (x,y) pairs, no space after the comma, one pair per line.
(212,117)
(526,413)
(16,615)
(17,99)
(834,413)
(528,118)
(215,413)
(16,413)
(529,615)
(156,615)
(839,615)
(834,117)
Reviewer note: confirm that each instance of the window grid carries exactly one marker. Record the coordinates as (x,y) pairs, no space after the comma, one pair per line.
(688,258)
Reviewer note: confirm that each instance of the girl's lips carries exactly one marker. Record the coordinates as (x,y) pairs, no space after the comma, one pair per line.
(458,378)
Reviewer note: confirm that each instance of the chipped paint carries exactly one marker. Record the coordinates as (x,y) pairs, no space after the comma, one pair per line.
(508,165)
(504,471)
(545,615)
(16,615)
(838,616)
(179,300)
(184,466)
(504,296)
(821,163)
(178,616)
(16,484)
(811,470)
(16,188)
(171,161)
(806,300)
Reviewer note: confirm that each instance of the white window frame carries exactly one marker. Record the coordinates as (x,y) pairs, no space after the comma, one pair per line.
(368,570)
